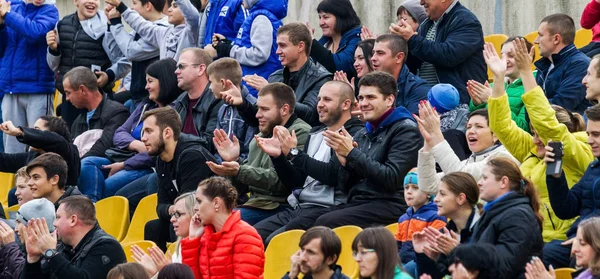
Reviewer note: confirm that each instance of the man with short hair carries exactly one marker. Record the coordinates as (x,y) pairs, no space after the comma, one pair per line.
(81,89)
(320,249)
(447,47)
(197,106)
(315,193)
(180,165)
(276,103)
(84,250)
(389,53)
(562,66)
(47,178)
(299,72)
(581,200)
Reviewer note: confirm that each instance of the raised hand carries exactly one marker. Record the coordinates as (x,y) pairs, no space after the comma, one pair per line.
(232,96)
(255,81)
(480,93)
(295,267)
(4,8)
(536,270)
(46,240)
(365,33)
(9,128)
(144,259)
(196,227)
(114,3)
(158,257)
(271,145)
(7,235)
(402,29)
(224,169)
(228,149)
(341,142)
(341,76)
(312,30)
(286,139)
(447,241)
(111,12)
(522,55)
(102,78)
(52,39)
(429,125)
(496,64)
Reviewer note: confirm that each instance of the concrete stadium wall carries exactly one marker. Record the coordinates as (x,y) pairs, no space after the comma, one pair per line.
(511,17)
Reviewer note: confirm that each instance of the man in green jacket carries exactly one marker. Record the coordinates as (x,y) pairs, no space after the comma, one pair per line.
(268,196)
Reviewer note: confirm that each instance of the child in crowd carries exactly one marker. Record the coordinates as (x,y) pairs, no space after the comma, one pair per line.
(422,213)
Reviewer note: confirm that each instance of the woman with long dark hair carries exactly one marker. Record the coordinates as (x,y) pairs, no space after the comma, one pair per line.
(375,251)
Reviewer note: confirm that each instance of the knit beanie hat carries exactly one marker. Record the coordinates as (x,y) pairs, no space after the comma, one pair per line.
(443,97)
(415,9)
(37,208)
(411,177)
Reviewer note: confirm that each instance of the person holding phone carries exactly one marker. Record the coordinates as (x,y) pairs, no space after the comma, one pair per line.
(547,123)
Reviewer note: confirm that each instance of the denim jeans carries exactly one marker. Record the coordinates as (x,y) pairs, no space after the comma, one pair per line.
(254,215)
(138,189)
(95,183)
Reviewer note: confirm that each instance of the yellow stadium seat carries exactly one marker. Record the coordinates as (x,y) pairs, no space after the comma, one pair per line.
(583,37)
(279,252)
(113,216)
(13,208)
(393,228)
(117,84)
(145,211)
(171,248)
(496,40)
(7,182)
(144,244)
(564,273)
(346,260)
(57,100)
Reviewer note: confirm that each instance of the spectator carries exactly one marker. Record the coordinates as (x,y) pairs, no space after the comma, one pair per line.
(513,86)
(580,200)
(181,217)
(267,192)
(26,81)
(320,249)
(139,51)
(421,214)
(456,200)
(341,34)
(589,20)
(69,47)
(48,174)
(234,247)
(590,80)
(23,192)
(475,261)
(511,220)
(562,66)
(412,13)
(362,64)
(82,91)
(389,54)
(547,122)
(226,17)
(103,176)
(482,142)
(49,134)
(76,224)
(197,107)
(300,72)
(12,254)
(176,270)
(223,75)
(171,40)
(256,42)
(447,47)
(180,166)
(311,194)
(127,271)
(374,251)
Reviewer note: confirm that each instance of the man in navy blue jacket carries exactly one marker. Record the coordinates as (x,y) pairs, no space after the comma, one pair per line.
(562,66)
(581,200)
(447,47)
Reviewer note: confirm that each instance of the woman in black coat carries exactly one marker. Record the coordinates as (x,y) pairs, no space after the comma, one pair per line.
(511,220)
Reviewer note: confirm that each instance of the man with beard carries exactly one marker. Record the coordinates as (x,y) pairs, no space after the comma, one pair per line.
(311,195)
(180,166)
(320,249)
(276,103)
(84,250)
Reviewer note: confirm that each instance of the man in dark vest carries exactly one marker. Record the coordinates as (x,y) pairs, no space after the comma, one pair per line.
(81,39)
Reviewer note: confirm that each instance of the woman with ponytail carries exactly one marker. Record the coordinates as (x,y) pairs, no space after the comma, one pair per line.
(511,220)
(220,244)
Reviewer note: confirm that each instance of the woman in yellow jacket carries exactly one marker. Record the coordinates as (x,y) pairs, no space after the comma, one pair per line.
(547,122)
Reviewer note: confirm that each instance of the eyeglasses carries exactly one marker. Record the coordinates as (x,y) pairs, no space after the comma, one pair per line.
(362,253)
(183,66)
(177,214)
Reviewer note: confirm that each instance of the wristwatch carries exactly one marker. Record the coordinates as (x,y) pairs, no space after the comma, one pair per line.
(293,153)
(50,253)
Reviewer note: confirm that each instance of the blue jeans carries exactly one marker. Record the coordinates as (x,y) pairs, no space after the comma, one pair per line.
(411,269)
(138,189)
(556,254)
(95,183)
(254,215)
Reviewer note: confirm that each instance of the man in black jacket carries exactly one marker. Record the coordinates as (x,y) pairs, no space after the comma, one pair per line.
(374,161)
(310,193)
(299,72)
(47,178)
(81,89)
(180,166)
(84,250)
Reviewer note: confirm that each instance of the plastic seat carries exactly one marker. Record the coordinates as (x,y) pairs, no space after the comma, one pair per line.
(144,244)
(57,100)
(171,248)
(564,273)
(393,228)
(145,211)
(113,216)
(346,260)
(7,182)
(583,37)
(496,40)
(13,208)
(279,252)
